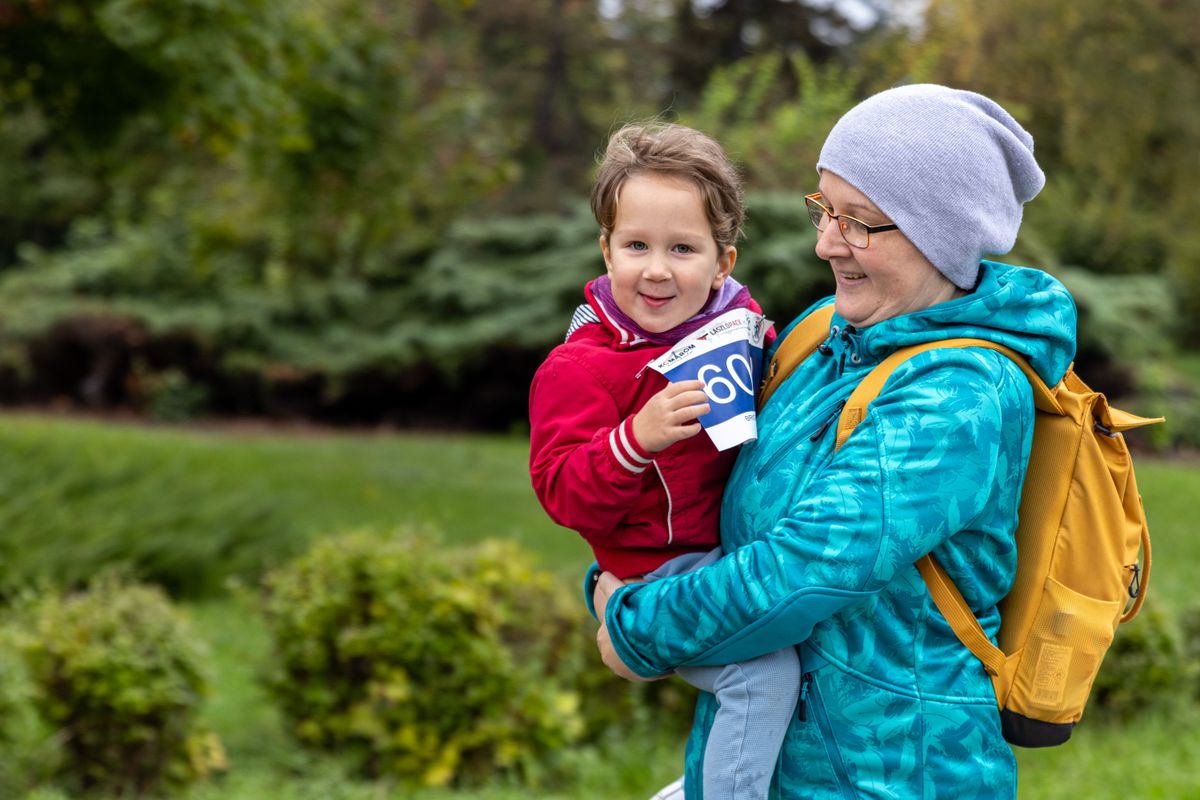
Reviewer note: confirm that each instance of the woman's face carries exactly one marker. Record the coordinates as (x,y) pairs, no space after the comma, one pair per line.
(885,280)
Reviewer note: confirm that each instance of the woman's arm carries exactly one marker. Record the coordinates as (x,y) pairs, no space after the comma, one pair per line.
(948,428)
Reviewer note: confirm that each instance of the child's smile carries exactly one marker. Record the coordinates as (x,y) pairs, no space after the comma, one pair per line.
(661,256)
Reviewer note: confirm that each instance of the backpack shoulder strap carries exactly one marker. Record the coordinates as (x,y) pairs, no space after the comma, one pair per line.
(804,337)
(941,587)
(868,389)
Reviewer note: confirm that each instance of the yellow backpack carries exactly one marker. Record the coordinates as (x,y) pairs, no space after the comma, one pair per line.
(1081,527)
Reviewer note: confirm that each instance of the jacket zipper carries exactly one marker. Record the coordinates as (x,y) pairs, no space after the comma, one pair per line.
(825,425)
(813,698)
(814,436)
(802,703)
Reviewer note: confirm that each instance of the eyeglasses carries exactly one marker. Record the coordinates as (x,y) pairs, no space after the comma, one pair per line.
(856,232)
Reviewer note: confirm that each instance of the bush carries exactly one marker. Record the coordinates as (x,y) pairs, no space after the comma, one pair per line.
(777,259)
(90,322)
(1125,317)
(169,395)
(436,666)
(1144,667)
(1170,387)
(23,743)
(117,672)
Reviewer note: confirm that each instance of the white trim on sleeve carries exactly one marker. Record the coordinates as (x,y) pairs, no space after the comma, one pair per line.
(619,455)
(629,448)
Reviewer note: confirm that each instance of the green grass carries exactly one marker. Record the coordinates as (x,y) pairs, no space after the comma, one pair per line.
(1169,494)
(88,482)
(186,509)
(1152,756)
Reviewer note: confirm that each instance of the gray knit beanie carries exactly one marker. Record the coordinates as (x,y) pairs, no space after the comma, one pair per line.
(951,168)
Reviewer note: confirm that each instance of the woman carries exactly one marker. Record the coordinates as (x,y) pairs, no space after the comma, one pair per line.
(916,185)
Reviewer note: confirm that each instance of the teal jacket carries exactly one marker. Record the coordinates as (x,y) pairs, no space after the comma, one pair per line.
(820,550)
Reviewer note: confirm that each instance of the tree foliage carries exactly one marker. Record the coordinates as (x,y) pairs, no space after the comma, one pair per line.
(1110,92)
(308,207)
(772,113)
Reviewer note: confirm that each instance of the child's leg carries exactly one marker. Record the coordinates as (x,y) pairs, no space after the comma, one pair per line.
(757,700)
(679,565)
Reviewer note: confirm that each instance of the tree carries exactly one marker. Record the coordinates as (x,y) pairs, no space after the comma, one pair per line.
(1111,94)
(716,34)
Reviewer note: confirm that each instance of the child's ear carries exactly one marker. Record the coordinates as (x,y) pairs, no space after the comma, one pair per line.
(725,263)
(607,255)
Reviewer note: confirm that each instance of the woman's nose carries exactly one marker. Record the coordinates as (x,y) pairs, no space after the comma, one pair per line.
(830,242)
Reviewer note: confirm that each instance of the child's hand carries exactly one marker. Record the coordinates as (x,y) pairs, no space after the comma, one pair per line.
(669,416)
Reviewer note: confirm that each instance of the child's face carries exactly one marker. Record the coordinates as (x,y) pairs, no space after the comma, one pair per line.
(660,255)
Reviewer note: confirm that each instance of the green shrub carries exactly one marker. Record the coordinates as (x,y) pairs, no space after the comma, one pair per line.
(480,310)
(1170,387)
(118,674)
(168,395)
(436,666)
(23,743)
(777,259)
(1125,317)
(772,113)
(1143,668)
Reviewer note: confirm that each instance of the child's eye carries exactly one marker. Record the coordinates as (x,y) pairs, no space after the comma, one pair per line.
(637,246)
(684,249)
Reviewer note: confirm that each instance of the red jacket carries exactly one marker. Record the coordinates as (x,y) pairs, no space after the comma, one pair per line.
(636,509)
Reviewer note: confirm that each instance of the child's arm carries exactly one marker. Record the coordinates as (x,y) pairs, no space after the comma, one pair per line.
(588,463)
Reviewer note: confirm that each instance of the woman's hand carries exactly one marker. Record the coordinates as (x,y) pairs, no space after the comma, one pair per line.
(606,584)
(605,587)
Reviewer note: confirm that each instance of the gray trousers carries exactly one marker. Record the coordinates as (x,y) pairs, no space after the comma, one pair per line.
(756,701)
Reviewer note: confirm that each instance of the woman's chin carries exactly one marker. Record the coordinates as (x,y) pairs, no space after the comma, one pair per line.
(851,311)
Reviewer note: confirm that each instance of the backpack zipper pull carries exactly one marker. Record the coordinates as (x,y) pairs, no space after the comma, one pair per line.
(1135,585)
(801,706)
(825,425)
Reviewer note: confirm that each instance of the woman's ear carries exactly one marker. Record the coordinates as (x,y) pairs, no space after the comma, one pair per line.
(725,263)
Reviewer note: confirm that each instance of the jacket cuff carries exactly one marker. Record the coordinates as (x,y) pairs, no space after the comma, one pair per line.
(589,587)
(625,451)
(617,636)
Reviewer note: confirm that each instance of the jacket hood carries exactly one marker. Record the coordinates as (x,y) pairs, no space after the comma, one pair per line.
(1024,309)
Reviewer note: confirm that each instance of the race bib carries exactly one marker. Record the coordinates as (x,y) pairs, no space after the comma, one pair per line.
(727,355)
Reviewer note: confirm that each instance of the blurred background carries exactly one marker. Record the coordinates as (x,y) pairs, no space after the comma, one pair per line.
(375,212)
(276,275)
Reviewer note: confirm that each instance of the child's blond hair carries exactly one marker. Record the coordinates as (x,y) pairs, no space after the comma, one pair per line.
(675,151)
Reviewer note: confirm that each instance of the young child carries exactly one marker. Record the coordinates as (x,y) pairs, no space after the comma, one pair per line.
(616,451)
